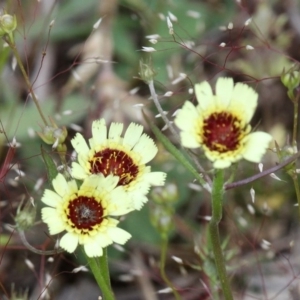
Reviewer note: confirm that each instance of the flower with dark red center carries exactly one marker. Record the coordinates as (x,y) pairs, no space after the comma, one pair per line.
(220,123)
(85,213)
(109,153)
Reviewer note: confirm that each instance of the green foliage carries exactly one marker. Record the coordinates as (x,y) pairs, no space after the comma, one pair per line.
(49,164)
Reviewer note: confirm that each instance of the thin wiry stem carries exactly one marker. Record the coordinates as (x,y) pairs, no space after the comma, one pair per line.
(163,271)
(173,131)
(288,161)
(13,47)
(160,110)
(37,251)
(293,173)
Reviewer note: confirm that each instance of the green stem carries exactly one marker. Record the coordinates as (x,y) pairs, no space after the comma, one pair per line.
(12,45)
(296,186)
(293,173)
(162,268)
(217,201)
(103,264)
(295,127)
(101,279)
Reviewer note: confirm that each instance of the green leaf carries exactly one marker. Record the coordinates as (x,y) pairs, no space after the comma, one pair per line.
(179,156)
(50,165)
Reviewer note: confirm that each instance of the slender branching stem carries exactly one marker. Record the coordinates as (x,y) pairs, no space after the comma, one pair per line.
(160,110)
(217,208)
(172,129)
(13,47)
(280,166)
(37,251)
(162,265)
(293,172)
(295,125)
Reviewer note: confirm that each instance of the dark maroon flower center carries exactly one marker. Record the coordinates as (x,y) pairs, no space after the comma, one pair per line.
(115,162)
(222,132)
(85,213)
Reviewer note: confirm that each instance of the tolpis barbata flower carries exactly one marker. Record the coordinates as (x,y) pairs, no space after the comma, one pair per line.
(125,157)
(85,213)
(219,124)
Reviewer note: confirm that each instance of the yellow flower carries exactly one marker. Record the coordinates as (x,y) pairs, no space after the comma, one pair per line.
(84,213)
(125,157)
(220,123)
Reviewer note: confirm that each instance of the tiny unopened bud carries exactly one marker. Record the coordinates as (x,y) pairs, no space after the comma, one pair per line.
(172,17)
(248,22)
(53,135)
(51,23)
(166,194)
(222,44)
(193,14)
(8,24)
(291,79)
(153,36)
(153,41)
(177,259)
(252,194)
(170,26)
(230,26)
(96,25)
(29,264)
(25,217)
(249,47)
(146,71)
(168,94)
(148,49)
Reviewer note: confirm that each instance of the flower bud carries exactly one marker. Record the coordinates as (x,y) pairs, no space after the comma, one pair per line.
(25,217)
(146,71)
(8,24)
(166,194)
(53,135)
(161,218)
(162,210)
(291,79)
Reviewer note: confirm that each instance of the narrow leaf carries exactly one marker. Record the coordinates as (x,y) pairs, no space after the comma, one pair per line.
(174,151)
(50,165)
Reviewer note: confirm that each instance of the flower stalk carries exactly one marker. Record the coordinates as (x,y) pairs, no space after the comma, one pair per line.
(162,265)
(291,80)
(217,200)
(10,41)
(101,274)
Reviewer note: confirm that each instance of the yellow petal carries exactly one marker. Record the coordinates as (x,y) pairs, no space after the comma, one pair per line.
(69,242)
(224,89)
(115,131)
(51,198)
(118,235)
(204,94)
(80,145)
(60,185)
(99,132)
(256,146)
(187,117)
(244,101)
(93,249)
(78,171)
(132,135)
(189,140)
